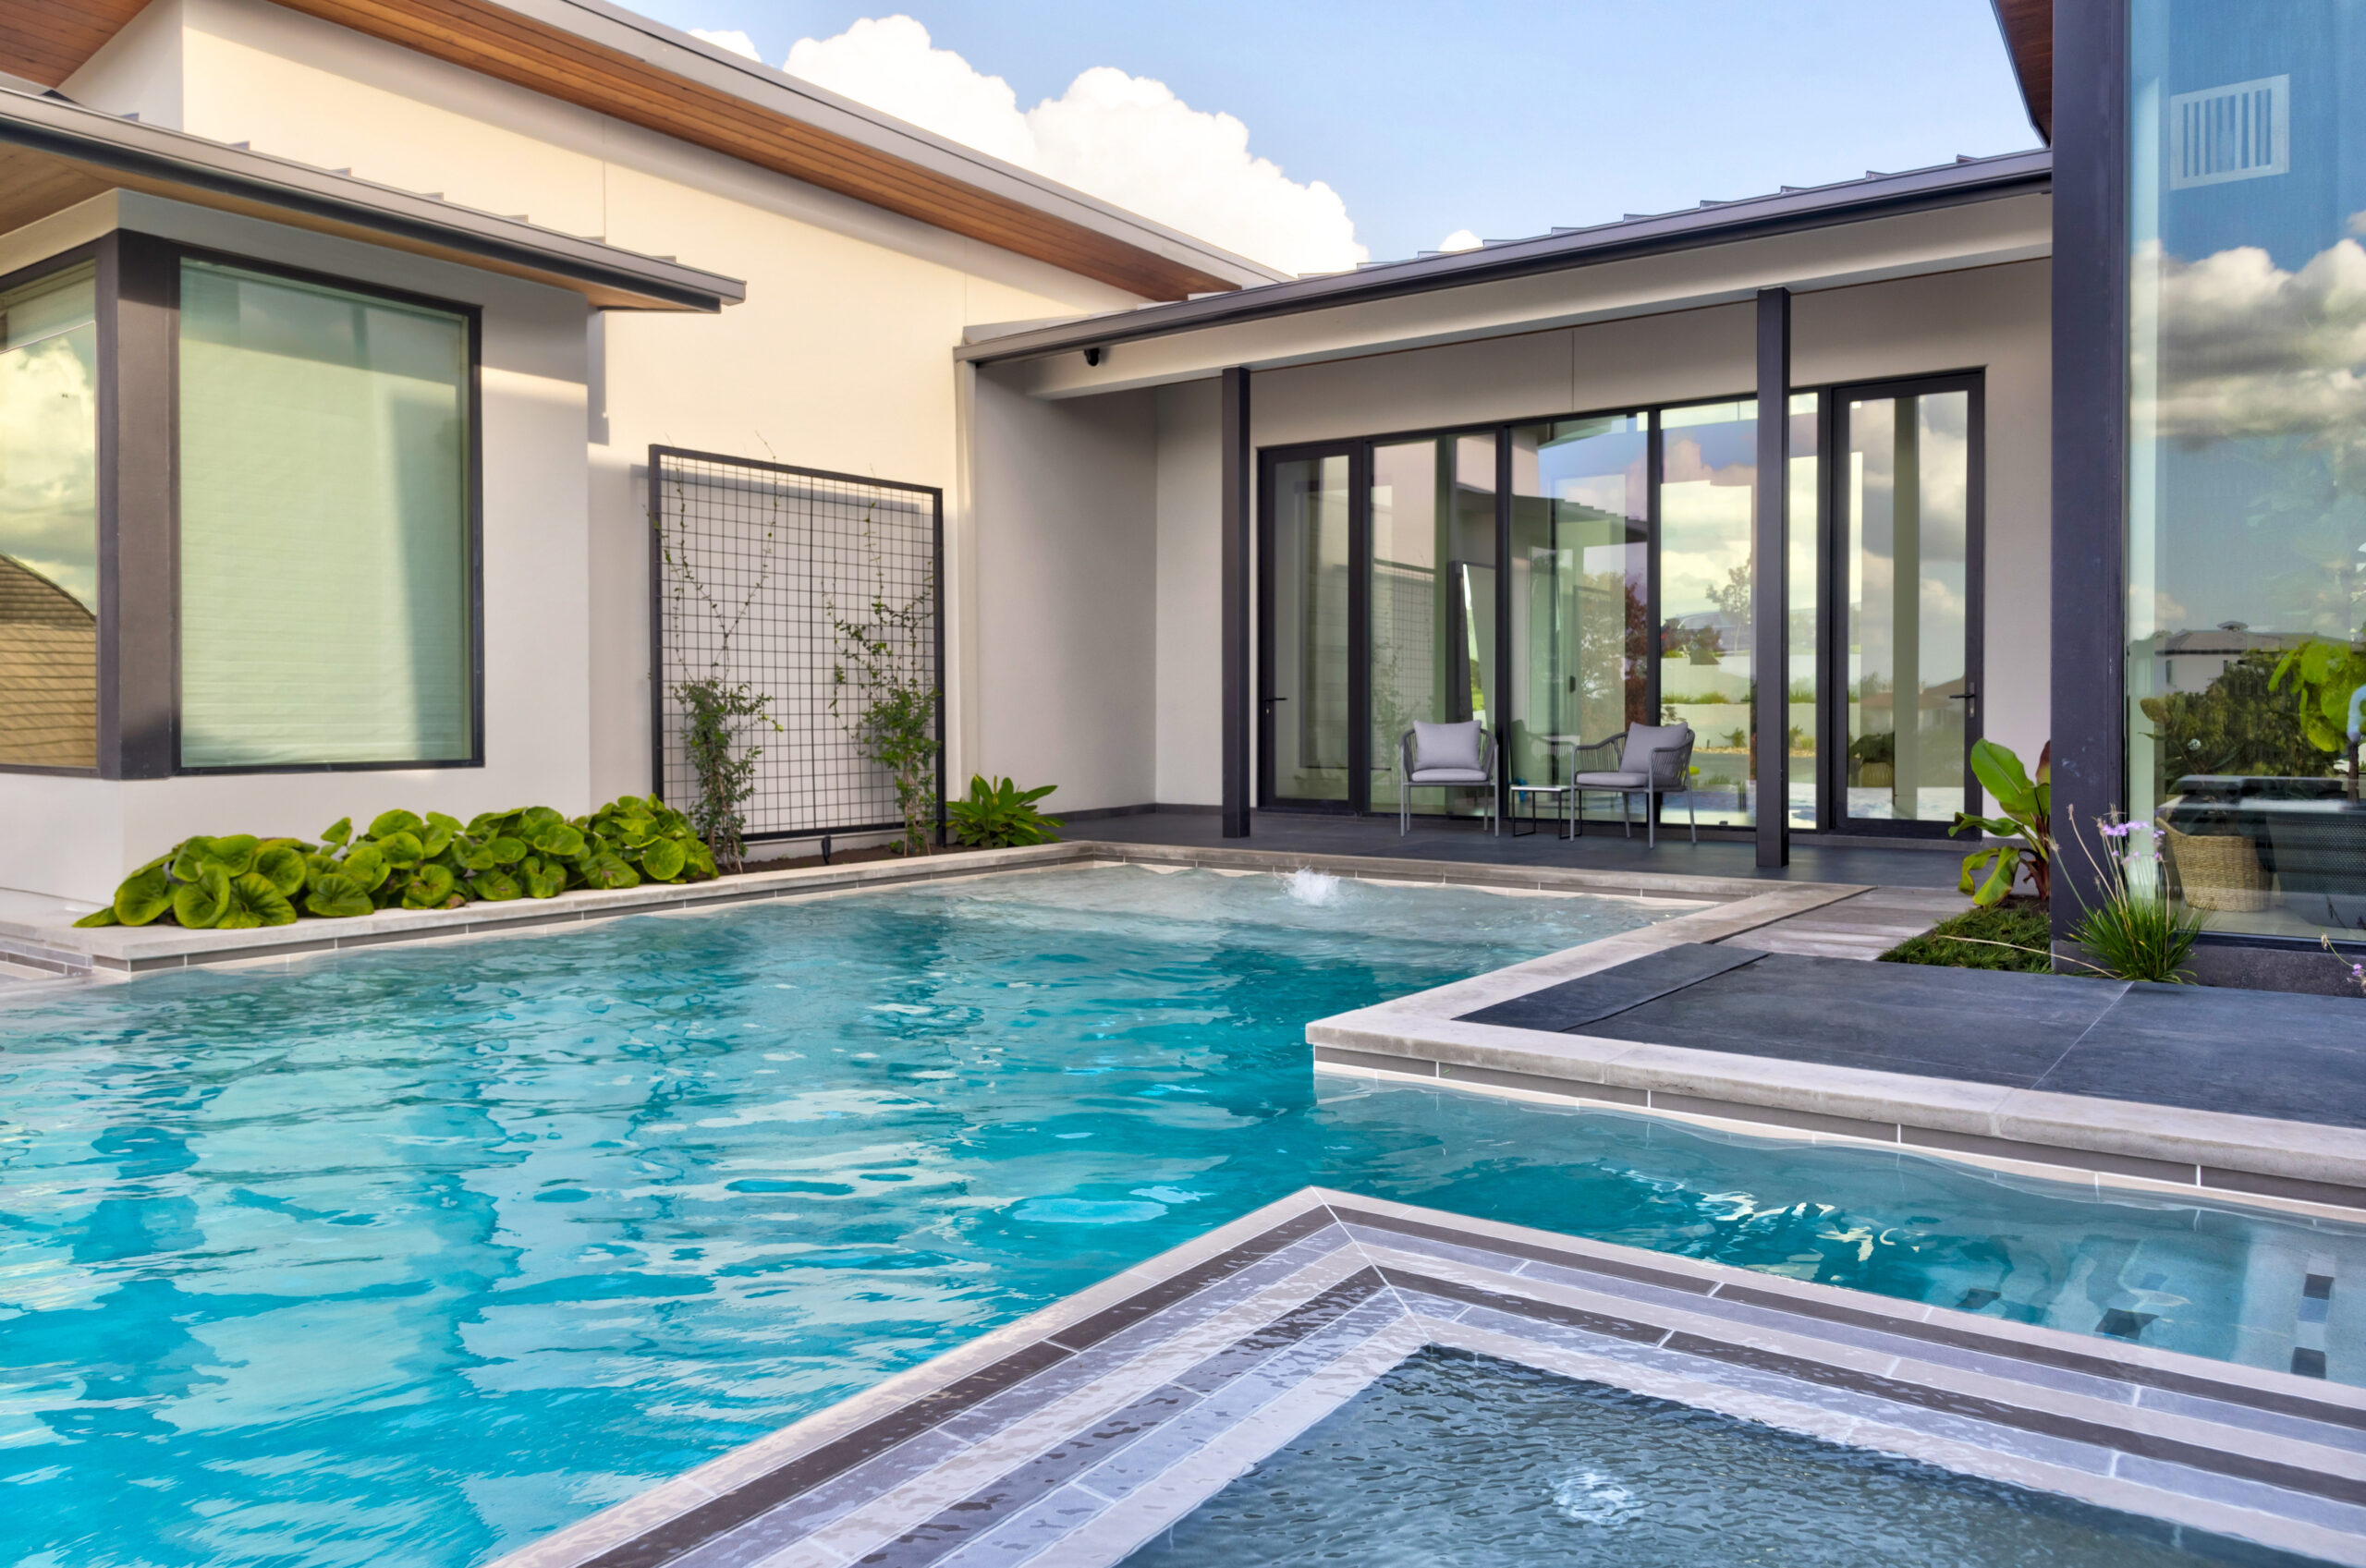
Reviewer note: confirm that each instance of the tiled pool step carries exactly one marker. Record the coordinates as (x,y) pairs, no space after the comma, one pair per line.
(1072,1437)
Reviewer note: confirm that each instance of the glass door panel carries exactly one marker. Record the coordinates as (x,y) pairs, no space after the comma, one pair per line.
(1306,700)
(1906,553)
(1432,598)
(1707,484)
(1580,564)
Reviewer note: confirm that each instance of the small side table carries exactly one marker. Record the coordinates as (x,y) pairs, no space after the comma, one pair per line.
(1561,794)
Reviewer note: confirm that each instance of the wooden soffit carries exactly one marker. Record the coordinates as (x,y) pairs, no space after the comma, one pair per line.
(46,40)
(2028,26)
(591,56)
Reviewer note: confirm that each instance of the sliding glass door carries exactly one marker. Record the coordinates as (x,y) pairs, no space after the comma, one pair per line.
(1581,590)
(1561,580)
(1431,583)
(1306,719)
(1906,616)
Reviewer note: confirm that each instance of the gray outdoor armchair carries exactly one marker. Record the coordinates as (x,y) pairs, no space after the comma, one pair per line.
(1650,760)
(1457,756)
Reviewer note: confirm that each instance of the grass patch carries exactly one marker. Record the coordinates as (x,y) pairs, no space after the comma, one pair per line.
(2023,922)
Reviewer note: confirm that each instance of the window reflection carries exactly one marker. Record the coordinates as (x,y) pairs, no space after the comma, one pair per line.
(2246,483)
(49,539)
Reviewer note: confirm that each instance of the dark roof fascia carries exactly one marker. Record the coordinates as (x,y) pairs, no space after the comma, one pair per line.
(1790,212)
(89,135)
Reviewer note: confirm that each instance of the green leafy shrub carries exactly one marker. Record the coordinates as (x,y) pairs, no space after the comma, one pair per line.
(725,770)
(2027,825)
(2005,936)
(1001,815)
(2323,675)
(403,860)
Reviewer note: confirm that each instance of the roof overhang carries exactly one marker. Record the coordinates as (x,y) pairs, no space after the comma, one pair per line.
(2028,26)
(1697,229)
(605,58)
(54,154)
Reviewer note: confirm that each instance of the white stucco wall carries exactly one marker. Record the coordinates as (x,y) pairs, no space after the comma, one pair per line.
(1190,572)
(840,358)
(1067,566)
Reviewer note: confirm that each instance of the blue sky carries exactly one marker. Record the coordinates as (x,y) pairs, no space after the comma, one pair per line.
(1426,119)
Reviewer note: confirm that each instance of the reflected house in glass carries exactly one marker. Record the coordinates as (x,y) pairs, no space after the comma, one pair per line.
(344,477)
(48,670)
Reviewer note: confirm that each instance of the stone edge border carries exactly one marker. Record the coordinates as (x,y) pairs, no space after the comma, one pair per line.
(120,952)
(1424,1036)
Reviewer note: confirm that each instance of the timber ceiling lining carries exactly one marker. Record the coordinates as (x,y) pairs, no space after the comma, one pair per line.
(2028,26)
(44,40)
(47,39)
(33,186)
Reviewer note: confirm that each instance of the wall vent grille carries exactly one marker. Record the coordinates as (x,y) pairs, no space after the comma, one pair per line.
(2240,132)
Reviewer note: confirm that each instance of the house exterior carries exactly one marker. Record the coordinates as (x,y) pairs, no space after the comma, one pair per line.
(360,516)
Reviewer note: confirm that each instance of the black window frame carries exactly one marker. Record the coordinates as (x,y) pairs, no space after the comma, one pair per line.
(138,501)
(1359,450)
(474,467)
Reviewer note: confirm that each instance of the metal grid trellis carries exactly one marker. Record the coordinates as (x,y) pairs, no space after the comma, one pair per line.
(752,565)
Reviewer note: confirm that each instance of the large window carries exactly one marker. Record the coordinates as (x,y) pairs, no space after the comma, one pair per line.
(49,522)
(326,612)
(2247,466)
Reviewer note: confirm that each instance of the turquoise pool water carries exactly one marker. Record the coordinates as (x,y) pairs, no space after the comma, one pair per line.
(412,1256)
(1458,1461)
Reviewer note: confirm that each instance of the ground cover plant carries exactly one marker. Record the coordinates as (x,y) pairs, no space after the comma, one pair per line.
(2013,935)
(405,861)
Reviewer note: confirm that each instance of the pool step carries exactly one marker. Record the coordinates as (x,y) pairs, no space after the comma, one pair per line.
(1077,1434)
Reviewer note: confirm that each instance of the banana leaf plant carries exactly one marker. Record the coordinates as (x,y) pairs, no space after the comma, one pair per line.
(2025,826)
(405,861)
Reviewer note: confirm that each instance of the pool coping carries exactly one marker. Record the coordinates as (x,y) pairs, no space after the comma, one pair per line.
(120,952)
(1042,1442)
(1425,1036)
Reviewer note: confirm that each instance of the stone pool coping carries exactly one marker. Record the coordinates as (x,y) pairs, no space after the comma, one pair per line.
(1424,1036)
(119,951)
(1077,1433)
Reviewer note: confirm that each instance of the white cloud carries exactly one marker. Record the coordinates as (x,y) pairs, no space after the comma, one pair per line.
(1461,240)
(730,37)
(2249,350)
(1127,139)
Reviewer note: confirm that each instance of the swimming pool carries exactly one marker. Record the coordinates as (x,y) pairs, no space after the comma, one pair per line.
(1461,1460)
(413,1256)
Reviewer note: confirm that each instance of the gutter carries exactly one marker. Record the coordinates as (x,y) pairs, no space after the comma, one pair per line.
(54,127)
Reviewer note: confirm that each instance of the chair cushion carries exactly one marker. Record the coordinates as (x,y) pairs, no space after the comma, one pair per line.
(1642,738)
(1447,745)
(1612,780)
(1447,775)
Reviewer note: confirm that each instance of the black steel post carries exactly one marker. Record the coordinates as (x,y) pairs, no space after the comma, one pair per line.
(1237,518)
(1769,601)
(2090,709)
